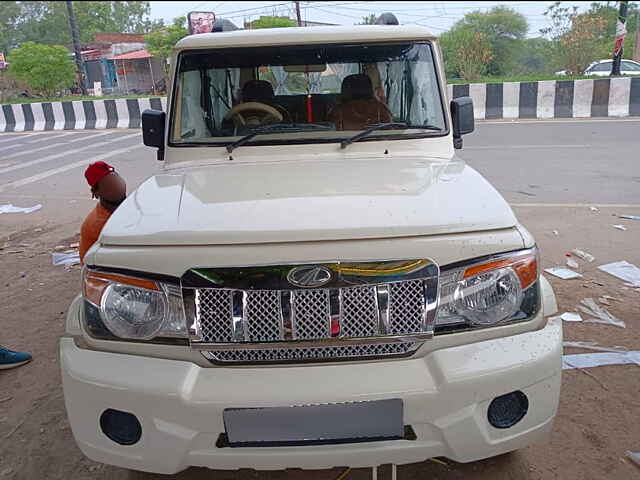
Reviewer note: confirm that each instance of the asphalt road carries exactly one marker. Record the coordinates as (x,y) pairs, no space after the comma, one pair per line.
(550,162)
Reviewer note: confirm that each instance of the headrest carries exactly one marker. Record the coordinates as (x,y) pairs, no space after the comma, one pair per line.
(357,87)
(257,91)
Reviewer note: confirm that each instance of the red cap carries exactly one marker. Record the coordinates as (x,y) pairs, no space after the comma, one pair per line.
(96,172)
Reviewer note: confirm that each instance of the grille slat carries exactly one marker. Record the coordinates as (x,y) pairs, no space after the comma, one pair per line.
(214,308)
(360,317)
(263,317)
(313,353)
(311,312)
(406,307)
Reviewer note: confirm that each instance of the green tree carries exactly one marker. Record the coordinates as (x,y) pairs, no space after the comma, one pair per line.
(161,41)
(9,14)
(45,69)
(533,57)
(369,19)
(273,22)
(47,23)
(578,38)
(505,29)
(467,53)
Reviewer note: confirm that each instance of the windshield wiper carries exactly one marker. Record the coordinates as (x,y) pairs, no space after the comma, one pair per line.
(381,126)
(289,128)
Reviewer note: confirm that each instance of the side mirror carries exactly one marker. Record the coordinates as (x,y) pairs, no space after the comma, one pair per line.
(153,122)
(462,119)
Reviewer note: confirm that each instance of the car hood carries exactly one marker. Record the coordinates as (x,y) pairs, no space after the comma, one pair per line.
(304,201)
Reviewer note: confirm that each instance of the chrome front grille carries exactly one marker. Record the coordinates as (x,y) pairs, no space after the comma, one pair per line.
(257,315)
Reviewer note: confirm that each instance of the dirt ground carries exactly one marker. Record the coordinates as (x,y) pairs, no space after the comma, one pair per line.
(596,424)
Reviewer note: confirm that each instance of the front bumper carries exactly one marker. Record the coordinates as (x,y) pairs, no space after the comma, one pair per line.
(446,395)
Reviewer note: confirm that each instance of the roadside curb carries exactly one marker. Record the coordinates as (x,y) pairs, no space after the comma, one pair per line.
(77,115)
(549,99)
(601,97)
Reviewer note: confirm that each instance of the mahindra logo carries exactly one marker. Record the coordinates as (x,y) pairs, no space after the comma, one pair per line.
(309,276)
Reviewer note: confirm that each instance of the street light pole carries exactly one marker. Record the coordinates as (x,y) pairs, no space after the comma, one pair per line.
(76,46)
(618,50)
(298,13)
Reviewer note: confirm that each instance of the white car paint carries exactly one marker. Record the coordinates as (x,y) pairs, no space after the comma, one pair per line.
(310,203)
(396,196)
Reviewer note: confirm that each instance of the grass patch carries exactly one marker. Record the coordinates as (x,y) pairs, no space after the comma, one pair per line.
(74,98)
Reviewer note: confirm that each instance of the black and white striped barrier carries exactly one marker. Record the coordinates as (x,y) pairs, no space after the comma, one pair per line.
(602,97)
(78,115)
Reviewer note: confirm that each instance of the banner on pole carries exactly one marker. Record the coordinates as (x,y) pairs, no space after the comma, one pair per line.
(621,31)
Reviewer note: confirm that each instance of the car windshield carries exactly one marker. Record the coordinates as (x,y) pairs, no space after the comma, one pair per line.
(305,94)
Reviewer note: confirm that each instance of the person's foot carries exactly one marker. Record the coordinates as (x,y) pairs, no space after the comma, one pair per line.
(11,359)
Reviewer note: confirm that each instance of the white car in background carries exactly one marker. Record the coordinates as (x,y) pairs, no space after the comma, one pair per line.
(602,68)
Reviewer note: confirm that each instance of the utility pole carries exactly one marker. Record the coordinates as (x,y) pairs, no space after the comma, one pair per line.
(298,13)
(76,46)
(618,49)
(636,50)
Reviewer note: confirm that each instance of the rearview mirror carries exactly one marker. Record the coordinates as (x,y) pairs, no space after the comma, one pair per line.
(305,68)
(153,122)
(462,119)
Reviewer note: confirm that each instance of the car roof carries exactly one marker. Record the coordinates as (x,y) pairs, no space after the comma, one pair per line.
(608,60)
(304,35)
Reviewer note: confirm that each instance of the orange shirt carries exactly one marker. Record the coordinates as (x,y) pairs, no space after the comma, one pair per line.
(91,228)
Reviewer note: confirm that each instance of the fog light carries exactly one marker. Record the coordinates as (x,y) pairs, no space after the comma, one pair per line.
(121,427)
(507,410)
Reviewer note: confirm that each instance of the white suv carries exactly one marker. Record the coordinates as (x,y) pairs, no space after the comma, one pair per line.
(316,279)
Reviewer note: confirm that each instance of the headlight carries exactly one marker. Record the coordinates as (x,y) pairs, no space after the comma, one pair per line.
(488,293)
(132,308)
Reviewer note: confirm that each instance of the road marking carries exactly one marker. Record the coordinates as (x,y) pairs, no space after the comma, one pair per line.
(575,120)
(33,150)
(85,137)
(528,147)
(37,140)
(3,140)
(12,146)
(55,171)
(63,154)
(577,205)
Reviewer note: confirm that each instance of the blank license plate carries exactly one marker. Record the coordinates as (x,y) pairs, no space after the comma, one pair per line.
(315,424)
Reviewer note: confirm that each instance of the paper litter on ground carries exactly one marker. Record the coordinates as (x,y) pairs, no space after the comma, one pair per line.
(8,208)
(624,271)
(563,273)
(571,263)
(589,360)
(70,257)
(569,317)
(586,256)
(629,217)
(592,346)
(604,301)
(620,227)
(634,457)
(600,314)
(594,209)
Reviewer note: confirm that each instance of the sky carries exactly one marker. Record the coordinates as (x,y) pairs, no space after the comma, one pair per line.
(437,16)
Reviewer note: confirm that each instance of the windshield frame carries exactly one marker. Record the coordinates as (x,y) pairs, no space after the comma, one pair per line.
(257,142)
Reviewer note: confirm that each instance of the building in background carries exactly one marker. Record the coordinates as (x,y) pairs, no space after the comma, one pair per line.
(120,63)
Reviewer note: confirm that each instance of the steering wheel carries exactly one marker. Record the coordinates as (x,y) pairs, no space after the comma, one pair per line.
(253,114)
